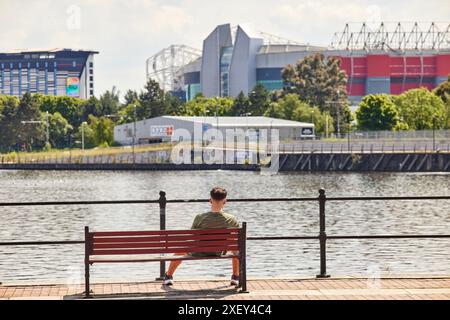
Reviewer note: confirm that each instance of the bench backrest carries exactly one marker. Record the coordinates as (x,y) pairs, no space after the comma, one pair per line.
(161,242)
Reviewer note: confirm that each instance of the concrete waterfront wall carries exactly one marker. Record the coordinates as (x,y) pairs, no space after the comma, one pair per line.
(305,162)
(125,167)
(373,162)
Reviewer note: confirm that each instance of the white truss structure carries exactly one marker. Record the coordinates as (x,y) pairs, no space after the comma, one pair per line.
(164,67)
(401,37)
(268,38)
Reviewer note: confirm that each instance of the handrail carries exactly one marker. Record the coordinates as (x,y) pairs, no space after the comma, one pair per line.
(321,199)
(112,202)
(405,236)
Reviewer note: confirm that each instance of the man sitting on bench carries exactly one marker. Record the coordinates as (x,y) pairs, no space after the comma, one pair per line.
(214,219)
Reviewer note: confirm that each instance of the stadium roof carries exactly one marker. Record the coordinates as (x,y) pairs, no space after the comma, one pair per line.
(41,50)
(283,48)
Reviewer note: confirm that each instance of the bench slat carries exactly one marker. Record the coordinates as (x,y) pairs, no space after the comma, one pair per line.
(163,232)
(168,250)
(171,238)
(164,244)
(161,258)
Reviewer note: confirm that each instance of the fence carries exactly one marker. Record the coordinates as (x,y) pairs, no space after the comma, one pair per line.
(322,236)
(393,135)
(155,153)
(366,147)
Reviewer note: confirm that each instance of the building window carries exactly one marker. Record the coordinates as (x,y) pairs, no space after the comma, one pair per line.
(92,92)
(272,85)
(91,85)
(225,62)
(91,78)
(91,64)
(91,71)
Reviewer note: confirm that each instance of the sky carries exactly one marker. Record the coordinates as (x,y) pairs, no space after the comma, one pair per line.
(127,32)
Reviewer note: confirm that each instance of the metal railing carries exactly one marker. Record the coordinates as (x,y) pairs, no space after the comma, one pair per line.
(392,135)
(322,237)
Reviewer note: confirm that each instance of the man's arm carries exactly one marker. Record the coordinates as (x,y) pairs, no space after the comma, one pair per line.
(235,223)
(195,223)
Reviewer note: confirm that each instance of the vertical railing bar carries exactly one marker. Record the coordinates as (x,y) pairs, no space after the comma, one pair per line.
(162,226)
(322,235)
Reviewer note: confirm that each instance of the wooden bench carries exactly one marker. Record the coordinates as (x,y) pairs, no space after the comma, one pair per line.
(142,246)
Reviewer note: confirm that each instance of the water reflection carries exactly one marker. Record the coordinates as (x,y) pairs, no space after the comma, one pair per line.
(283,258)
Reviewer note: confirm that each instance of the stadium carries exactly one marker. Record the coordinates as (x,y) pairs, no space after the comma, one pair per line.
(390,58)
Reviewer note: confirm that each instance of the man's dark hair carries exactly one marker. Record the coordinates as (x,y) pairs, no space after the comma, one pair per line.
(218,193)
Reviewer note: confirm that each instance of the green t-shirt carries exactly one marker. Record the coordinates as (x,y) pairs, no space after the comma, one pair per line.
(213,220)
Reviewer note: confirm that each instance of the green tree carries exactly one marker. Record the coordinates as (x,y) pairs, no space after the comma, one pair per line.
(241,105)
(98,132)
(308,114)
(418,108)
(319,81)
(104,131)
(60,130)
(110,103)
(8,123)
(443,90)
(447,111)
(152,101)
(70,108)
(275,110)
(90,107)
(284,108)
(29,135)
(202,106)
(130,113)
(173,105)
(130,97)
(290,107)
(377,112)
(89,136)
(259,100)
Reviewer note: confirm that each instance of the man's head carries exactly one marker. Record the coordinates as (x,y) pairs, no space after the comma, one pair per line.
(218,197)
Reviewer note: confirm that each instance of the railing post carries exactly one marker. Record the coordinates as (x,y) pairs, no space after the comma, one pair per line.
(87,252)
(162,226)
(243,258)
(322,235)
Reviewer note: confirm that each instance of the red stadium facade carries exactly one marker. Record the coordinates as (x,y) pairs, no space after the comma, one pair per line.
(393,73)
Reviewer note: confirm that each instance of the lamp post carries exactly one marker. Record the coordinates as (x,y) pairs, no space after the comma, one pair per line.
(338,112)
(82,134)
(434,133)
(348,136)
(134,133)
(47,131)
(47,124)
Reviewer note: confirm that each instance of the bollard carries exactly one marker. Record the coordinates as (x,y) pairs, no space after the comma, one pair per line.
(322,236)
(162,226)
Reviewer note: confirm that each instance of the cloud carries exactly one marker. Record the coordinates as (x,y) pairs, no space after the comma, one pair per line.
(313,19)
(127,32)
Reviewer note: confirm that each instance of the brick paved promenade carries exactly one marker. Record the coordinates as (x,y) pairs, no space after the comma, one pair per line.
(262,289)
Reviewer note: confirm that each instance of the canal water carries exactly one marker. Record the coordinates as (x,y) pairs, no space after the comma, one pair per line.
(372,258)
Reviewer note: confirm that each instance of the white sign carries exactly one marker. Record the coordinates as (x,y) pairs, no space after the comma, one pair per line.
(307,132)
(161,131)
